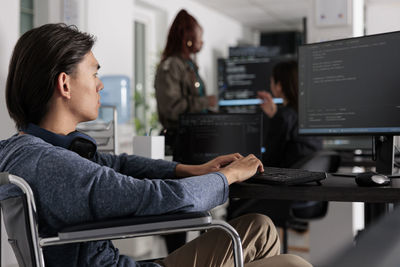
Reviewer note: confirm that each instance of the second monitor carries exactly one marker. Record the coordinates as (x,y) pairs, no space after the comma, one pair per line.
(202,137)
(239,79)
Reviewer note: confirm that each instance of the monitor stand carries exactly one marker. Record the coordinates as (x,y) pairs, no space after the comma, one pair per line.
(384,151)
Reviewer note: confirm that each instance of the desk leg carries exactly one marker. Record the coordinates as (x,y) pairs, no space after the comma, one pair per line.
(373,211)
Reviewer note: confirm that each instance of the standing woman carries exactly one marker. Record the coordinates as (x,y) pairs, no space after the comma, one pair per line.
(179,87)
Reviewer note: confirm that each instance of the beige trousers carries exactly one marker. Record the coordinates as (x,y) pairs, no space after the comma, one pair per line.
(260,243)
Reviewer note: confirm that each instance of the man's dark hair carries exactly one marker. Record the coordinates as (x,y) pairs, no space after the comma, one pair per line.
(39,56)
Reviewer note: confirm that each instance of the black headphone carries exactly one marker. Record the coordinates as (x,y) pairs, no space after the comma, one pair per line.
(75,141)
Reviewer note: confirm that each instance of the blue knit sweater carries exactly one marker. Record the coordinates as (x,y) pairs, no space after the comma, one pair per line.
(69,190)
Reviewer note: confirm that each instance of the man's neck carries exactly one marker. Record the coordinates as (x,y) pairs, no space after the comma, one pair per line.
(58,123)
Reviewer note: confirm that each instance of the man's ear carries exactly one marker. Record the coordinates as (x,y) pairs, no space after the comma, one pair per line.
(63,85)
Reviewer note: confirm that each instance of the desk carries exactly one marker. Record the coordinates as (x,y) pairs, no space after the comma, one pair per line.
(333,188)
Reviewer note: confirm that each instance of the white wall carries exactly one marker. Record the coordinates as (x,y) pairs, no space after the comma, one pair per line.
(382,16)
(317,33)
(47,11)
(111,22)
(9,32)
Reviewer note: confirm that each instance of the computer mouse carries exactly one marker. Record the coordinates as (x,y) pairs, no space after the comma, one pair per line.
(372,179)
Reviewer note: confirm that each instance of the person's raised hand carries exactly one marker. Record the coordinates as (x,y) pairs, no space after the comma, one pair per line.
(242,169)
(212,100)
(268,105)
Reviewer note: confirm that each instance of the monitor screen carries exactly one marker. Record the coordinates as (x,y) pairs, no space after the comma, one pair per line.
(350,86)
(202,137)
(253,51)
(239,79)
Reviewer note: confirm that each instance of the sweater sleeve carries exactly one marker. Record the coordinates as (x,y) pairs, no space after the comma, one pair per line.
(137,166)
(71,190)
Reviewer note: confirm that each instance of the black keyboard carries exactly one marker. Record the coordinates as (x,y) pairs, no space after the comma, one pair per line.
(285,176)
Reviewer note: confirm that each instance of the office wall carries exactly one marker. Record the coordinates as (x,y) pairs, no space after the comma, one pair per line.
(317,33)
(382,16)
(112,23)
(47,11)
(9,32)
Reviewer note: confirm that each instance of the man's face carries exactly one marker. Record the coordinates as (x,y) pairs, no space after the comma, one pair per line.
(85,88)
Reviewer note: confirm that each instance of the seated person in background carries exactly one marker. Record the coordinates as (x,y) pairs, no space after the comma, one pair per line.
(284,146)
(179,87)
(52,85)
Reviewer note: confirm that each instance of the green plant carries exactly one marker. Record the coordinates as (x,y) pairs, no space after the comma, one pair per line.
(143,123)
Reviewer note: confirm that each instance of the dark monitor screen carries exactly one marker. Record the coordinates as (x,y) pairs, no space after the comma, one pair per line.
(202,137)
(253,51)
(350,86)
(239,79)
(348,143)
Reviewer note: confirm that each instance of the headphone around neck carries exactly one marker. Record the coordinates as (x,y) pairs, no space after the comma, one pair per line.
(75,141)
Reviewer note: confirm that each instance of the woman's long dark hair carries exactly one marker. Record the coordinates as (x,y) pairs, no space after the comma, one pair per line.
(286,73)
(182,30)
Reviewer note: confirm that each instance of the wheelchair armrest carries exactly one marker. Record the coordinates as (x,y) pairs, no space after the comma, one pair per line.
(4,178)
(135,225)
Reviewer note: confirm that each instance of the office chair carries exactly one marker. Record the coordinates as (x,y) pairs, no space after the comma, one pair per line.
(299,213)
(288,214)
(21,221)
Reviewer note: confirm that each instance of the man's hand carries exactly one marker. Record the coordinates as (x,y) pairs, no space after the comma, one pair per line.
(213,165)
(216,164)
(242,169)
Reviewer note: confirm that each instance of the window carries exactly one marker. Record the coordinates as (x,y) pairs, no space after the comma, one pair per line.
(26,16)
(146,58)
(140,78)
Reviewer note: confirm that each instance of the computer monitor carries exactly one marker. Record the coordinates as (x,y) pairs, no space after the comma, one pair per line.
(253,51)
(202,137)
(239,79)
(352,87)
